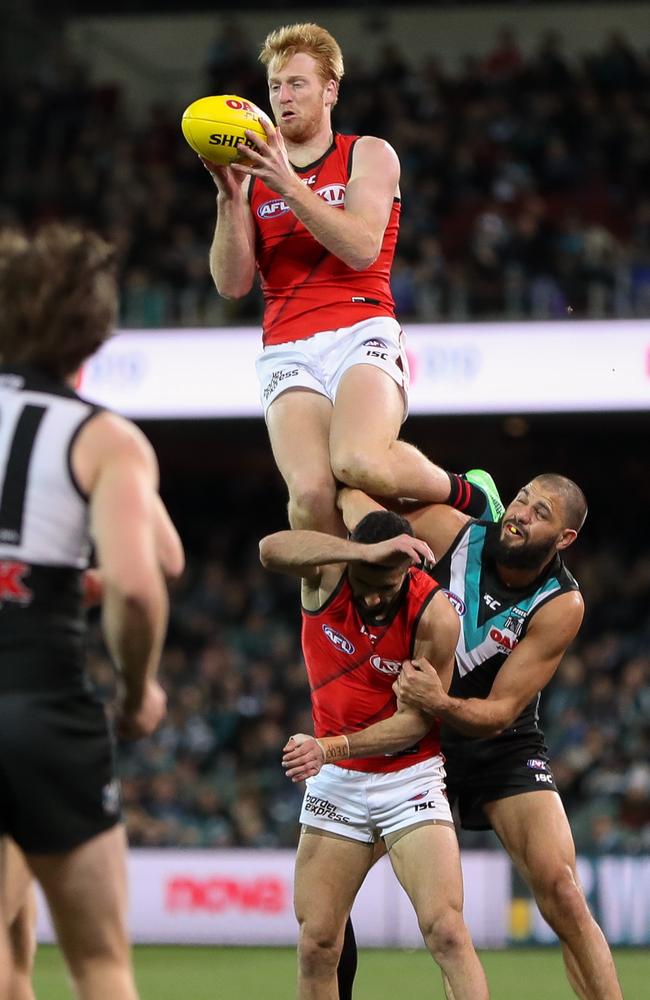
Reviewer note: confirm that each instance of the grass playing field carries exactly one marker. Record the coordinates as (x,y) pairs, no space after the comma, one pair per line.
(268,974)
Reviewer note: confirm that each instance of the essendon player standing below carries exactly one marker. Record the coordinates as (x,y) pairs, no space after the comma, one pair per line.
(71,475)
(317,212)
(366,608)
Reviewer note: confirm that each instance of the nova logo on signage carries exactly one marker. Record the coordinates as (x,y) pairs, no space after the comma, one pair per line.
(217,894)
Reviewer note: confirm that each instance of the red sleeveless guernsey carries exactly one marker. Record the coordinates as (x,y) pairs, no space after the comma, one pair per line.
(352,666)
(308,290)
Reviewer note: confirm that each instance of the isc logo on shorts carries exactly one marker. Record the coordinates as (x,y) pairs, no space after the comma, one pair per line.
(386,666)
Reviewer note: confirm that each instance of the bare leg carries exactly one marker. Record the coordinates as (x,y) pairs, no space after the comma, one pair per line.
(86,890)
(329,873)
(535,832)
(363,442)
(22,935)
(18,906)
(426,860)
(299,426)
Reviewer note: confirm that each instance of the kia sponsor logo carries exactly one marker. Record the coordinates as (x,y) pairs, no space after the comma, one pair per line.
(333,194)
(456,602)
(338,640)
(265,894)
(386,666)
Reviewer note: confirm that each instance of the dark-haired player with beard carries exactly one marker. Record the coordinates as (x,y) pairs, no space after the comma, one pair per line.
(317,212)
(366,607)
(519,609)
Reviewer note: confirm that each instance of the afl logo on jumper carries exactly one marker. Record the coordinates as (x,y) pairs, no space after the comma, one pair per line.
(338,640)
(386,666)
(456,602)
(271,209)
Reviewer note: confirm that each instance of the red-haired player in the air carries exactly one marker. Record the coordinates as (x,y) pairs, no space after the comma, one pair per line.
(317,213)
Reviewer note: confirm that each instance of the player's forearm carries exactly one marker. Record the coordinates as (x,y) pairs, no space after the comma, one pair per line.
(134,624)
(354,505)
(398,732)
(286,551)
(232,255)
(343,233)
(477,717)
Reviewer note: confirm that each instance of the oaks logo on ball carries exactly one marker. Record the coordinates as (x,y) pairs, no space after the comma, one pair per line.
(237,105)
(338,640)
(333,194)
(386,666)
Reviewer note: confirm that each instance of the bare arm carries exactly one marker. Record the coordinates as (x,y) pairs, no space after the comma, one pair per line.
(527,670)
(118,467)
(302,553)
(355,234)
(232,254)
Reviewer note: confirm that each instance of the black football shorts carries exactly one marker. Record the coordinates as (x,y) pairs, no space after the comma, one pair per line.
(57,782)
(480,771)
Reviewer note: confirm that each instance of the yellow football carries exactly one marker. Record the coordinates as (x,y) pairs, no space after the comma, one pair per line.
(216,127)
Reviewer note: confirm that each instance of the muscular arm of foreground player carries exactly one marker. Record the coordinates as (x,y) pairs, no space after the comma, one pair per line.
(527,670)
(116,466)
(436,638)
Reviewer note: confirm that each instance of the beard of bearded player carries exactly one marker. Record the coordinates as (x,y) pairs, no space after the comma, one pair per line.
(526,555)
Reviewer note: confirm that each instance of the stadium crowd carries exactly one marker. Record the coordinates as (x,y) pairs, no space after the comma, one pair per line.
(525,179)
(237,689)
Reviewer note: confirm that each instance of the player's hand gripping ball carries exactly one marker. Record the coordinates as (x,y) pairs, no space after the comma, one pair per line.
(215,127)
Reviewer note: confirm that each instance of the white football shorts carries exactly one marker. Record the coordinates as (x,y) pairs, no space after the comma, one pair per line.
(320,362)
(366,807)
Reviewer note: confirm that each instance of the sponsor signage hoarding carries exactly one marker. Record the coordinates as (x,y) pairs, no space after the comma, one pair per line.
(479,368)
